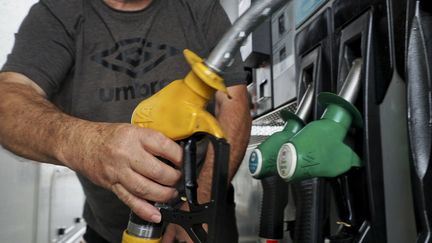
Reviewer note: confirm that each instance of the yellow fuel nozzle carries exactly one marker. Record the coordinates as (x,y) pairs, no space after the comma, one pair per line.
(178,110)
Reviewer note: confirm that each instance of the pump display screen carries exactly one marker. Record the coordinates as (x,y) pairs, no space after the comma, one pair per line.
(305,8)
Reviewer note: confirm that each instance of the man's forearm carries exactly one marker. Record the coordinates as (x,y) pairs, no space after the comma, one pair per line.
(234,117)
(33,127)
(236,122)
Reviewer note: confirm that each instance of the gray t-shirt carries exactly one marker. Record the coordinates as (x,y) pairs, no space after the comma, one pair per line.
(97,63)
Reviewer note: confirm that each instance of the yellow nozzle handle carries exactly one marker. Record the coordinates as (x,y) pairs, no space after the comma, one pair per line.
(178,110)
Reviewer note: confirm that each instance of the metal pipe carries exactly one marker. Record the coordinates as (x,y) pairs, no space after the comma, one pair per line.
(351,87)
(305,105)
(223,54)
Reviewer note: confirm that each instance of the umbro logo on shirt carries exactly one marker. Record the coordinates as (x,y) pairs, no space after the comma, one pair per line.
(135,91)
(134,57)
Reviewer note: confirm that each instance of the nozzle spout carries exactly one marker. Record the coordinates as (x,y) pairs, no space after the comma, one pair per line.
(305,105)
(352,83)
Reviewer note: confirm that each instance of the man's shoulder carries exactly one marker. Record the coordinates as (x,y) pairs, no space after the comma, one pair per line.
(68,12)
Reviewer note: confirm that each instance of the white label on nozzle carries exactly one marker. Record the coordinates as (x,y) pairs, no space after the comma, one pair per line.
(287,161)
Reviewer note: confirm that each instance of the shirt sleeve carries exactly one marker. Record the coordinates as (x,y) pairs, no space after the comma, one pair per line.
(215,23)
(43,50)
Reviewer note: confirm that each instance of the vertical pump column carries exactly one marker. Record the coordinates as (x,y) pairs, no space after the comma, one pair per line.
(419,68)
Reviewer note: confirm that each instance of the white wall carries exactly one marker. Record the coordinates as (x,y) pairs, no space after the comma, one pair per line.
(12,13)
(231,8)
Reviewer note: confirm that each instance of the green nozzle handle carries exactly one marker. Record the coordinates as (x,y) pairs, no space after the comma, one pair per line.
(262,161)
(318,149)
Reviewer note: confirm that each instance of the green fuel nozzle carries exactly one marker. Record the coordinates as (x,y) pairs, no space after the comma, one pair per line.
(318,150)
(262,161)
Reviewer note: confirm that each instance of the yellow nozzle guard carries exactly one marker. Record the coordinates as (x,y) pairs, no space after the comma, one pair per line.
(205,74)
(178,110)
(127,238)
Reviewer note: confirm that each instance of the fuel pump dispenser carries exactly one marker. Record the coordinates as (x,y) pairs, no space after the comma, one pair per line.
(371,203)
(178,111)
(318,149)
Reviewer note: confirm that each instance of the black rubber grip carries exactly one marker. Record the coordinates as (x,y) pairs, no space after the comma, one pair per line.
(310,204)
(275,199)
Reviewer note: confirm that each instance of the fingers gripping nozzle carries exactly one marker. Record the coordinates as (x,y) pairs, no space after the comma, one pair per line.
(318,150)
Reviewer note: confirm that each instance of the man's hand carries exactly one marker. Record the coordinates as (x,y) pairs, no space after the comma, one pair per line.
(119,157)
